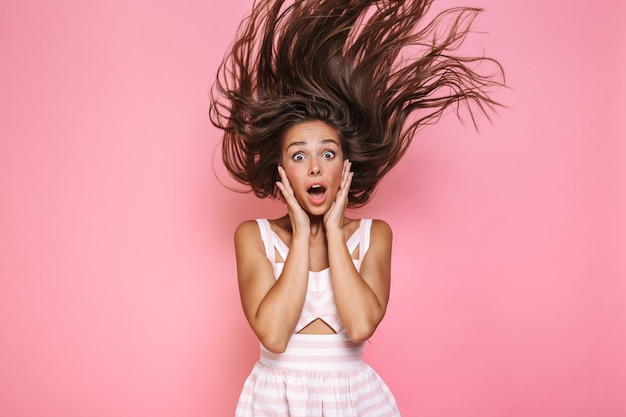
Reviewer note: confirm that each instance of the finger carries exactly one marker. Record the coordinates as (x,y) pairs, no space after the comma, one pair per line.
(345,170)
(346,183)
(283,175)
(284,180)
(349,181)
(287,191)
(287,194)
(282,189)
(345,175)
(346,190)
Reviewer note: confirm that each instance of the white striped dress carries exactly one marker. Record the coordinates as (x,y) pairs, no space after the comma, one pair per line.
(317,375)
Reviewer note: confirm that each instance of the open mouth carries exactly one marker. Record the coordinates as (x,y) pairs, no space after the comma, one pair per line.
(316,191)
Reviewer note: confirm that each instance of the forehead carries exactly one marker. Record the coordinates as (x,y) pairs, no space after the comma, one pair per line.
(310,133)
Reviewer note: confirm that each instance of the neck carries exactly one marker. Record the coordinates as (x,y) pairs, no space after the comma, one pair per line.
(317,225)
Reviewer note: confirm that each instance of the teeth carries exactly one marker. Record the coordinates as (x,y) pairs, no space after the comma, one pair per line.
(316,189)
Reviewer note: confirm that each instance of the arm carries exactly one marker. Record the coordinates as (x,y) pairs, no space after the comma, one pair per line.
(361,298)
(271,306)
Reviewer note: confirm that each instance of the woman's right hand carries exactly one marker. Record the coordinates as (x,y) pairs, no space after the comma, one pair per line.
(300,222)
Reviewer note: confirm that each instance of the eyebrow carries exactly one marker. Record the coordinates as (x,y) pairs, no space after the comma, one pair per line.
(323,142)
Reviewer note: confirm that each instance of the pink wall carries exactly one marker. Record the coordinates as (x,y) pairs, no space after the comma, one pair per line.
(117,282)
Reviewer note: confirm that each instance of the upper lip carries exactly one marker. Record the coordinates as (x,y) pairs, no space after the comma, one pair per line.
(316,184)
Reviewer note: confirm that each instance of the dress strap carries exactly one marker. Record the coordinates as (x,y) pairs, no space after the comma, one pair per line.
(281,247)
(273,242)
(354,239)
(364,244)
(267,238)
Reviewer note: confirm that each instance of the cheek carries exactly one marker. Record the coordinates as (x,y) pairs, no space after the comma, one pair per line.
(292,172)
(335,172)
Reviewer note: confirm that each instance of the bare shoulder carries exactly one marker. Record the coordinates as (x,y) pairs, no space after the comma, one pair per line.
(248,235)
(247,228)
(381,231)
(376,265)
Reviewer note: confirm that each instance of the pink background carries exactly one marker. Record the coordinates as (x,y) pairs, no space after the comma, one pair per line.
(118,293)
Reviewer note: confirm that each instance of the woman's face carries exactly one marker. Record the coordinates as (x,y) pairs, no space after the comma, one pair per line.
(313,159)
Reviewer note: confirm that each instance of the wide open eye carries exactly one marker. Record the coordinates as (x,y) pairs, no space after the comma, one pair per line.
(299,156)
(328,154)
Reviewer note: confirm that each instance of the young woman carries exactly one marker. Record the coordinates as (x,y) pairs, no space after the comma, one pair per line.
(314,99)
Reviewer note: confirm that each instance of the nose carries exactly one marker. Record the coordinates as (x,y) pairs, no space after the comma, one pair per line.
(314,170)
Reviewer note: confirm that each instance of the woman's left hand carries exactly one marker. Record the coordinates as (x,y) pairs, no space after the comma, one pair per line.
(334,216)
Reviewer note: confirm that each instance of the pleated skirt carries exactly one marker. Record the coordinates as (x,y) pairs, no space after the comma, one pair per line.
(318,375)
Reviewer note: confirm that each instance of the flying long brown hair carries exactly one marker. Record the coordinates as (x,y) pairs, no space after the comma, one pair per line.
(371,69)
